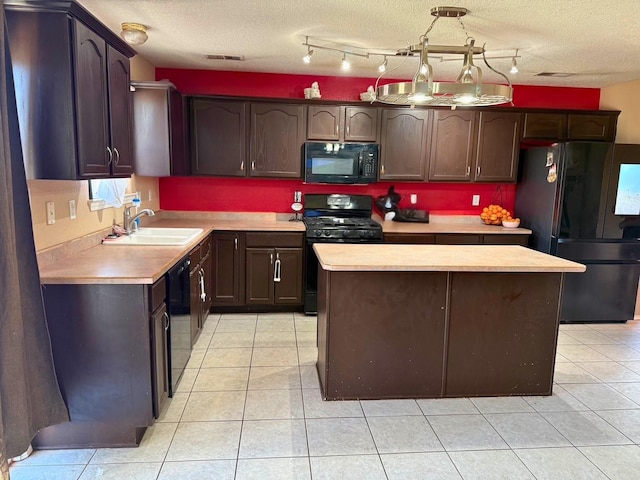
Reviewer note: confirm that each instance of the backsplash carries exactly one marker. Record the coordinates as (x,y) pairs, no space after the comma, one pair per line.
(258,195)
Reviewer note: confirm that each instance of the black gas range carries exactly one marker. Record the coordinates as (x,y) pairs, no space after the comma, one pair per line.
(334,218)
(340,218)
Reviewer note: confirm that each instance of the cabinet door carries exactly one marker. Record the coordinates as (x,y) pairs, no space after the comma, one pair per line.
(288,279)
(228,274)
(509,239)
(452,145)
(160,358)
(545,126)
(218,138)
(591,127)
(324,122)
(92,107)
(120,112)
(277,136)
(498,147)
(259,276)
(361,124)
(403,143)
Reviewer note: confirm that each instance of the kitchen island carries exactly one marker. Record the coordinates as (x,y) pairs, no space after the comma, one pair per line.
(429,321)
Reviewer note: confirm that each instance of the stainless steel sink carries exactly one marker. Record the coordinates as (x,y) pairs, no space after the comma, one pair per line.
(158,236)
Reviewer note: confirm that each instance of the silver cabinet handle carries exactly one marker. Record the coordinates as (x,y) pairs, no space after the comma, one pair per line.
(203,295)
(242,165)
(166,321)
(348,130)
(277,269)
(110,156)
(235,243)
(478,171)
(382,169)
(253,165)
(115,150)
(271,259)
(468,170)
(338,128)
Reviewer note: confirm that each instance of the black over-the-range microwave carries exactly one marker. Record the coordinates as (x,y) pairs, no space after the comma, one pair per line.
(340,162)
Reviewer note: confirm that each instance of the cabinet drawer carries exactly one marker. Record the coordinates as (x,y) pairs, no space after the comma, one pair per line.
(158,293)
(458,239)
(280,239)
(410,238)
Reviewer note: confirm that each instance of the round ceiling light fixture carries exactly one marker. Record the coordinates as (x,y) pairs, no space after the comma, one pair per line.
(134,33)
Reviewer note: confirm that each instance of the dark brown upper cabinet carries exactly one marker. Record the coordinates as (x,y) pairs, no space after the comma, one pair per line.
(277,135)
(72,90)
(453,134)
(342,124)
(404,136)
(158,130)
(218,137)
(597,127)
(572,126)
(498,146)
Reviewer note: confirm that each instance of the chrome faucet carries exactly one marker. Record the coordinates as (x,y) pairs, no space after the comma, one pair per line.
(129,222)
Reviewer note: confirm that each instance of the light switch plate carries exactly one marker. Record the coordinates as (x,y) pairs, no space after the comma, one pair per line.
(72,209)
(475,201)
(51,213)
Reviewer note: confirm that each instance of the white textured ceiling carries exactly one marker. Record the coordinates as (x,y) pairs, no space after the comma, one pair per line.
(597,41)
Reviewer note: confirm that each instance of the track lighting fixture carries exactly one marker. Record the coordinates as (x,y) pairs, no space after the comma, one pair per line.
(307,57)
(345,63)
(383,66)
(514,64)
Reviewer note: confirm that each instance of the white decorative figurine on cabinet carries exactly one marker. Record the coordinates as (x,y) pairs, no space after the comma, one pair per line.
(313,91)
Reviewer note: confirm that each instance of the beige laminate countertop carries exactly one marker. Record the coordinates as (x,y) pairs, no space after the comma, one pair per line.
(476,228)
(439,258)
(137,264)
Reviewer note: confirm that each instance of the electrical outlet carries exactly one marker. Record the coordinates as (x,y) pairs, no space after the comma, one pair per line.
(150,196)
(72,209)
(414,199)
(476,200)
(51,213)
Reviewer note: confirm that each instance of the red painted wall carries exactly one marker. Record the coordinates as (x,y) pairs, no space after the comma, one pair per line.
(269,195)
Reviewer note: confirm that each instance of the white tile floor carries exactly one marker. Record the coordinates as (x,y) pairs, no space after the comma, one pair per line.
(249,407)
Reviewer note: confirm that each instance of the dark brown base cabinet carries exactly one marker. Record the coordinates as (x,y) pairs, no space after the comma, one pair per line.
(109,352)
(436,334)
(258,270)
(457,239)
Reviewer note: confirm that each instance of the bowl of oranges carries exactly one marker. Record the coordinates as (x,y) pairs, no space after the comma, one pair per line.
(496,215)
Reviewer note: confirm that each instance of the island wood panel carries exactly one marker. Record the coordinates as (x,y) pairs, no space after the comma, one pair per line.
(502,333)
(381,334)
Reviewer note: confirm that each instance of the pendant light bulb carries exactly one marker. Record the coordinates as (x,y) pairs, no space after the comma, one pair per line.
(345,63)
(307,57)
(383,66)
(514,66)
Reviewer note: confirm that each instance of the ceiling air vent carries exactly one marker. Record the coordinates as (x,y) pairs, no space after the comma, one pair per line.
(554,74)
(239,58)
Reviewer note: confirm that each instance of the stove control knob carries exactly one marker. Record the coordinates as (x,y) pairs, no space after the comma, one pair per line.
(345,233)
(317,233)
(327,233)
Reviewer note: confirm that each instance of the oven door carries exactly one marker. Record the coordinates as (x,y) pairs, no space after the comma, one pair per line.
(311,271)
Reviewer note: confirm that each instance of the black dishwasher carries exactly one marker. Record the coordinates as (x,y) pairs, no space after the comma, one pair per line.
(179,335)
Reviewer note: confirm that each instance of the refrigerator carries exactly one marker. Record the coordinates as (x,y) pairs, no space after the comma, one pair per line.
(582,202)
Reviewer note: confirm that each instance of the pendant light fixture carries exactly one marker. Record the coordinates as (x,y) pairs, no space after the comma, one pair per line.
(468,89)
